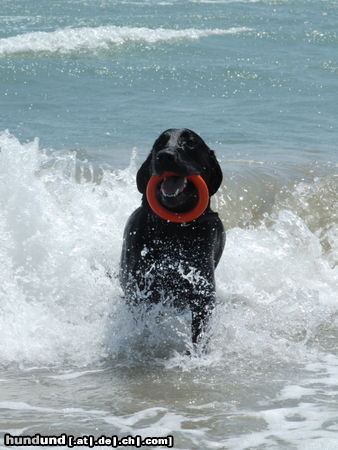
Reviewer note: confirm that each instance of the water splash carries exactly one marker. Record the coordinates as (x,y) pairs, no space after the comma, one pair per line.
(61,231)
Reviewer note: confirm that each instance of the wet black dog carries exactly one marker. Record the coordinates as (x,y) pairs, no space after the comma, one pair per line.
(174,262)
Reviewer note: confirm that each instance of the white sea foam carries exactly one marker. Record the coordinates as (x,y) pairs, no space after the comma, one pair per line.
(22,406)
(61,233)
(72,375)
(58,242)
(304,415)
(76,39)
(163,423)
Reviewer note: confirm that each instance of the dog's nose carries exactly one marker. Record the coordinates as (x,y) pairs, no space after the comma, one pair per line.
(167,155)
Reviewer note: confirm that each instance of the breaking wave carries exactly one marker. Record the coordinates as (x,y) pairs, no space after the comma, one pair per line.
(61,234)
(70,40)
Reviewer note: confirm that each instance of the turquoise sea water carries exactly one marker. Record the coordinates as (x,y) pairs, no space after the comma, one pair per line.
(107,76)
(86,86)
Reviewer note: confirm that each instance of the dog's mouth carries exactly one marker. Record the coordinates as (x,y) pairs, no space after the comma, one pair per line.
(177,193)
(173,185)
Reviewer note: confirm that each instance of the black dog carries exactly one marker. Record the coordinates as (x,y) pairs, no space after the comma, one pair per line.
(174,262)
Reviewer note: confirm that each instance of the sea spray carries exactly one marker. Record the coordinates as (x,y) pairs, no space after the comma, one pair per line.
(61,299)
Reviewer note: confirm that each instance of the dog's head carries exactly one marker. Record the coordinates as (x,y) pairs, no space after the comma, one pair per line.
(183,152)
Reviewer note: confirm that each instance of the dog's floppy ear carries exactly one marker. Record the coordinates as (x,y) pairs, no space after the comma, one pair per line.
(216,176)
(144,174)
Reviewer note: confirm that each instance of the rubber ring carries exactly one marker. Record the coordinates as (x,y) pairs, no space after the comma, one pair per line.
(164,213)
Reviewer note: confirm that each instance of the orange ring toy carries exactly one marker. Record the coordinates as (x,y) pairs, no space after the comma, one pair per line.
(164,213)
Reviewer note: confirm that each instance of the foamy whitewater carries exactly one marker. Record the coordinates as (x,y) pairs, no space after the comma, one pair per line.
(65,326)
(86,87)
(70,40)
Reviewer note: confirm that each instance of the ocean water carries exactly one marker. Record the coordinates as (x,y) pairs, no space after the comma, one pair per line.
(86,87)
